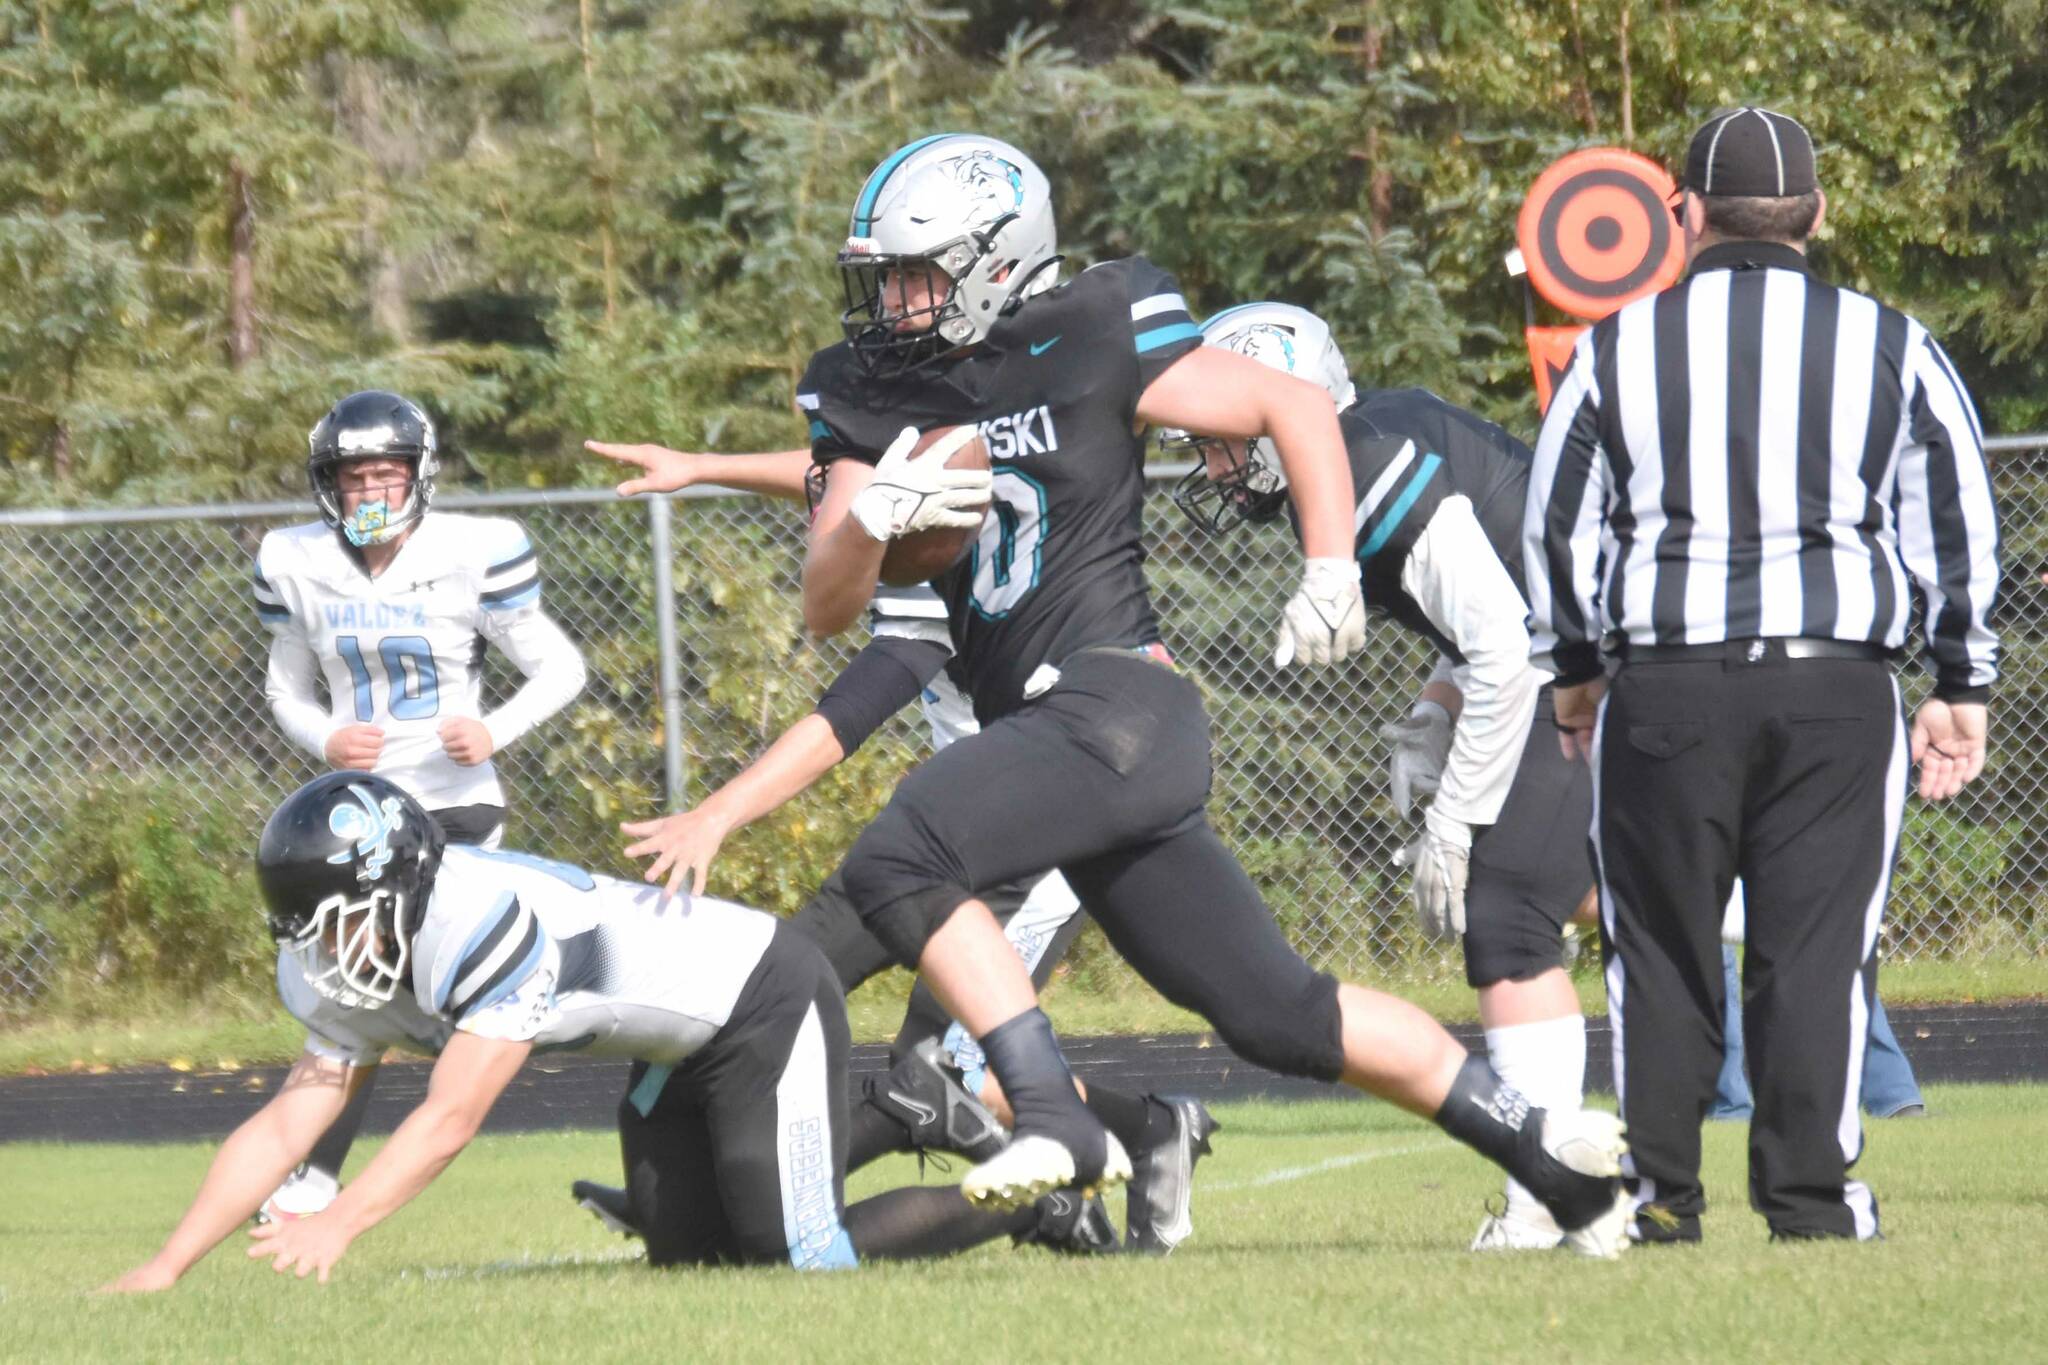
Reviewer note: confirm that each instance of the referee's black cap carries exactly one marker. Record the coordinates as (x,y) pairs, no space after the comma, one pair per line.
(1751,152)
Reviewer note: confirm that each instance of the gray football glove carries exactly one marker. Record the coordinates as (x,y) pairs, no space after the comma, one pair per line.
(1420,746)
(1441,856)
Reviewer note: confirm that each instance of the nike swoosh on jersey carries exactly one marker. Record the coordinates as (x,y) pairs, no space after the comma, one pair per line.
(1041,347)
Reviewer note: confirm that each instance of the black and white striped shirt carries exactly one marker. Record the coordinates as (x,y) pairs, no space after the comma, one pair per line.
(1754,452)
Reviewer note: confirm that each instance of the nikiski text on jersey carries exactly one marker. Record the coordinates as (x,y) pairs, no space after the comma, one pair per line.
(1029,432)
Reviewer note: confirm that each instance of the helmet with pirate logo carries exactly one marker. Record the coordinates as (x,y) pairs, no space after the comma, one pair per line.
(1242,481)
(346,865)
(947,234)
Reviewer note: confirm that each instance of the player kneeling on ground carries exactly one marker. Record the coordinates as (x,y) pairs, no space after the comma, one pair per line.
(732,1129)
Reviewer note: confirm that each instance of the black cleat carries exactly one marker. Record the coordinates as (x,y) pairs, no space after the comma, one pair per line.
(607,1204)
(924,1093)
(1157,1216)
(1073,1225)
(1570,1159)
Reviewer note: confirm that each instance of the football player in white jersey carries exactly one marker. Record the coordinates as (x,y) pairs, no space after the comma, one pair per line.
(387,607)
(932,1098)
(732,1130)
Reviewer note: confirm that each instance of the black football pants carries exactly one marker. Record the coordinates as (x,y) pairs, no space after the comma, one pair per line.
(1105,778)
(1790,773)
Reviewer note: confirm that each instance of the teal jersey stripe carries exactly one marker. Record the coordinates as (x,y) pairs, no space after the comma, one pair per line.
(819,431)
(649,1090)
(1166,336)
(864,207)
(1395,513)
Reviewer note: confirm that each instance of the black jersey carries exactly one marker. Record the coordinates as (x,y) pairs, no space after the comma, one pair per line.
(1409,451)
(1054,388)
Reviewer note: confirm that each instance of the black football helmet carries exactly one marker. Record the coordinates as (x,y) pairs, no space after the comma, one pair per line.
(346,865)
(373,425)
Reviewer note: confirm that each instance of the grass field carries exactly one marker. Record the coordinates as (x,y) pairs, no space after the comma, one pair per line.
(1328,1232)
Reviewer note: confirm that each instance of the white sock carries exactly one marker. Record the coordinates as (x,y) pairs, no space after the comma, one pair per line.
(1546,1061)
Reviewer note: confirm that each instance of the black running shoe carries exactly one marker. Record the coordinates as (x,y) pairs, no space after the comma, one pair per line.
(1073,1225)
(607,1204)
(1157,1216)
(924,1093)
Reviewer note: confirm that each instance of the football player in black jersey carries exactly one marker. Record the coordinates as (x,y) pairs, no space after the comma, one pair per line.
(1093,756)
(1501,860)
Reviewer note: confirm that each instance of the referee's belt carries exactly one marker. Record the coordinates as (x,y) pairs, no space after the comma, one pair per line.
(1754,650)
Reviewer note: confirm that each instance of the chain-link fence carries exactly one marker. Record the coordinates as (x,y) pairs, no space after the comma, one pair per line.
(141,758)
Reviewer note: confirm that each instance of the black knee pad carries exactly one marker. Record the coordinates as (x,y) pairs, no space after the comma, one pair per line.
(1509,941)
(903,882)
(1299,1036)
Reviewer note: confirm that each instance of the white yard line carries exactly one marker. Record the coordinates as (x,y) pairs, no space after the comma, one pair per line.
(520,1266)
(1335,1163)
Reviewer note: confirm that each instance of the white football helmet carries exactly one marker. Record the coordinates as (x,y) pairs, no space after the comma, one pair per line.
(1254,487)
(974,207)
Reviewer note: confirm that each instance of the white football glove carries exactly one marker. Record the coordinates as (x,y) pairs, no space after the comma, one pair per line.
(1441,856)
(1325,620)
(1421,747)
(911,495)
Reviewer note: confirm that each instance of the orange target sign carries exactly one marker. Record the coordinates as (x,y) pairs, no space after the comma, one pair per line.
(1596,232)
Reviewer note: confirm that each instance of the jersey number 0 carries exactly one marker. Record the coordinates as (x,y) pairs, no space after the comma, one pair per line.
(1006,557)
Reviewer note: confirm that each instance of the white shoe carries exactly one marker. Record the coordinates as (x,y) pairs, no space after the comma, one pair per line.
(1033,1167)
(305,1192)
(1606,1237)
(1592,1142)
(1518,1230)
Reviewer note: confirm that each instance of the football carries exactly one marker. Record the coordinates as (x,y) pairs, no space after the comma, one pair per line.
(924,556)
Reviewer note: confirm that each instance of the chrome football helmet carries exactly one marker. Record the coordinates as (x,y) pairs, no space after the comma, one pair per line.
(346,865)
(1250,485)
(373,425)
(966,219)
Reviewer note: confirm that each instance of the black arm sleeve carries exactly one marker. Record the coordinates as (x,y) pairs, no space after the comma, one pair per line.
(882,679)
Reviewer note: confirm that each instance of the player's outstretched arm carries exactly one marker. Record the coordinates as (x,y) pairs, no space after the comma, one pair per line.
(249,1165)
(775,473)
(882,679)
(684,844)
(470,1075)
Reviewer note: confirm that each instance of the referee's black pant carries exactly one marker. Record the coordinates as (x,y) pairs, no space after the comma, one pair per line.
(1790,773)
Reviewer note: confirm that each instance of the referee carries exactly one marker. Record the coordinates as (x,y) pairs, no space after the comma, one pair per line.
(1742,483)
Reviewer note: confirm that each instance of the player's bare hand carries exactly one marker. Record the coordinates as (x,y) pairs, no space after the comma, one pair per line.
(466,740)
(1577,709)
(302,1246)
(682,846)
(147,1278)
(661,470)
(1948,744)
(355,746)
